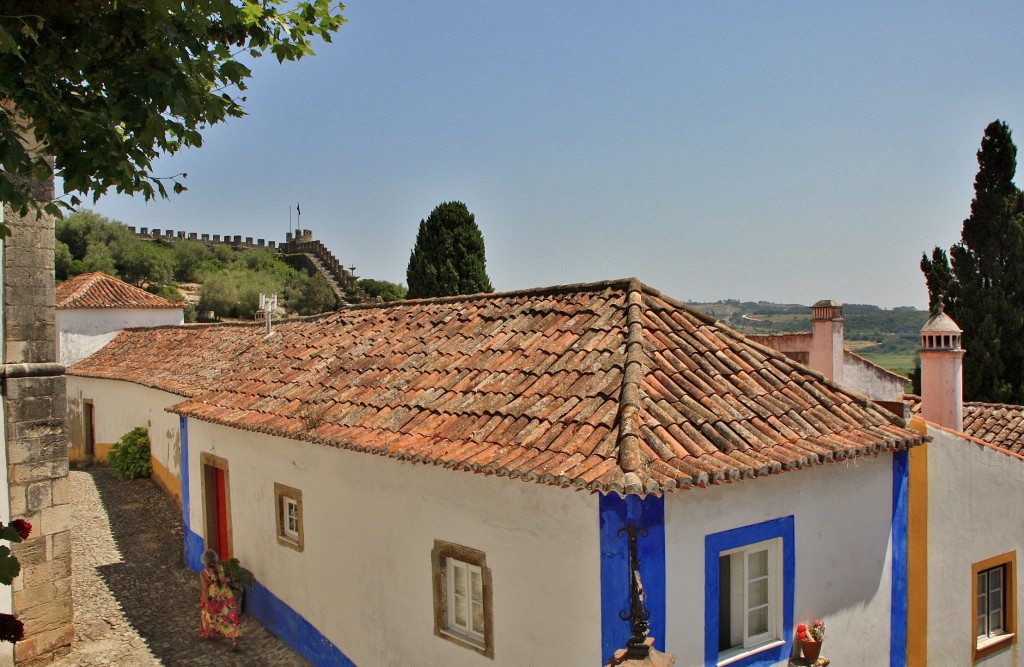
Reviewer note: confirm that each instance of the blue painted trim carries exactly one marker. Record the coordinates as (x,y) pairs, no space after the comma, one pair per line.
(616,513)
(185,498)
(716,543)
(900,571)
(193,543)
(296,631)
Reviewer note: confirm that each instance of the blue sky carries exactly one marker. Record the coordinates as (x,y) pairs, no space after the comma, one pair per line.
(774,150)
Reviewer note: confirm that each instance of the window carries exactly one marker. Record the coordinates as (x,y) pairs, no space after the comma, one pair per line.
(749,593)
(994,604)
(748,583)
(288,502)
(462,597)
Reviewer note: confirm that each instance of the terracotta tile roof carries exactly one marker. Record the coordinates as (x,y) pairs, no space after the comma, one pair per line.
(608,386)
(182,360)
(997,424)
(98,290)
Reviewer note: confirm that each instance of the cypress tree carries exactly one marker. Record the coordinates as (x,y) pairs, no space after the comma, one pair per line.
(982,279)
(448,257)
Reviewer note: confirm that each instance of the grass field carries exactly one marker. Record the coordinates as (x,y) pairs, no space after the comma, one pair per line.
(895,362)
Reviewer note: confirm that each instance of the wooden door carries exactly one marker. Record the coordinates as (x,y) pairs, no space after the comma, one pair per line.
(216,508)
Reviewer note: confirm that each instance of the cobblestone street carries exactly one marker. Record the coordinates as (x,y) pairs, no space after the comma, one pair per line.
(135,601)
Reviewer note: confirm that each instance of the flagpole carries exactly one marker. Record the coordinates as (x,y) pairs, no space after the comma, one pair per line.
(289,220)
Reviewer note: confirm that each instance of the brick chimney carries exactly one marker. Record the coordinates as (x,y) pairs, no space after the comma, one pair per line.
(942,375)
(826,354)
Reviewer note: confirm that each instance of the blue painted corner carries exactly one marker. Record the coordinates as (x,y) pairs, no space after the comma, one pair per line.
(900,524)
(194,547)
(714,545)
(615,514)
(185,500)
(299,633)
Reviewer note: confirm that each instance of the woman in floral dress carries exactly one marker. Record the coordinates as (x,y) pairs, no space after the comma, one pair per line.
(220,617)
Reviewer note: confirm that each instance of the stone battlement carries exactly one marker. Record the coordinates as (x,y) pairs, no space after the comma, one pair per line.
(299,243)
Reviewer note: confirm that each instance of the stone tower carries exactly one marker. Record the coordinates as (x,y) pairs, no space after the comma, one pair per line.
(942,374)
(35,453)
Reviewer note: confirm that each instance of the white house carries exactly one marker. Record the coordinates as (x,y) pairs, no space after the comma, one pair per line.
(179,362)
(519,438)
(966,525)
(92,308)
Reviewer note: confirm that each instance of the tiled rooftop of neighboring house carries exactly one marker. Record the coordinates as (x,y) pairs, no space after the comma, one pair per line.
(183,360)
(997,424)
(608,386)
(98,290)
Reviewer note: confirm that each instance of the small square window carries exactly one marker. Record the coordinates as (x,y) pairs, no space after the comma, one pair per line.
(994,604)
(288,502)
(462,597)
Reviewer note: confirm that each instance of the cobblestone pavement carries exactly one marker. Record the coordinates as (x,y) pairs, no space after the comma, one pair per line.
(135,601)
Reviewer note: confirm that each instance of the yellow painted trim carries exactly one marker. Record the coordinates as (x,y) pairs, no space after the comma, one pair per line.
(167,481)
(101,450)
(917,553)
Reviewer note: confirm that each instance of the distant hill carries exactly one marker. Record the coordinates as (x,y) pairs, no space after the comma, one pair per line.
(889,338)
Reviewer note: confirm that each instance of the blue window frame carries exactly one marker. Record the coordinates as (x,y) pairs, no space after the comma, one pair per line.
(755,567)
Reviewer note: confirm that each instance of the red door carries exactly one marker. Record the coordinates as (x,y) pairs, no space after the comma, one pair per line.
(222,515)
(216,507)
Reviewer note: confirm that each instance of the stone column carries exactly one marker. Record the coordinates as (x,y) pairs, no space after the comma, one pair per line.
(34,403)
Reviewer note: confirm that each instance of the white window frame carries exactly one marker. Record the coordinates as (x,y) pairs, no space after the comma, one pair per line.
(288,517)
(987,637)
(291,517)
(740,603)
(472,598)
(447,559)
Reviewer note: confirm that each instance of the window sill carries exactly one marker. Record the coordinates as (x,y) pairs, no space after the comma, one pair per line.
(992,644)
(285,542)
(463,640)
(735,655)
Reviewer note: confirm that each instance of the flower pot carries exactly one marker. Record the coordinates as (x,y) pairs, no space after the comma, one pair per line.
(811,649)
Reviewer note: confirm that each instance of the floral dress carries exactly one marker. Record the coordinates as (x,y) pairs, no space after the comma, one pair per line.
(219,608)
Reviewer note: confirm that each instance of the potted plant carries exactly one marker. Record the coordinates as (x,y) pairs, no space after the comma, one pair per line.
(239,579)
(810,639)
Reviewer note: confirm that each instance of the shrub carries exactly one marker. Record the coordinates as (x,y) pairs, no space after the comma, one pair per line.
(129,457)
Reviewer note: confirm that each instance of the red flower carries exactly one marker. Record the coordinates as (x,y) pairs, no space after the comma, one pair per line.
(11,629)
(23,527)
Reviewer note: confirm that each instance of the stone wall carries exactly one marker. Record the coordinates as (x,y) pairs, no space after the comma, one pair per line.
(299,243)
(36,440)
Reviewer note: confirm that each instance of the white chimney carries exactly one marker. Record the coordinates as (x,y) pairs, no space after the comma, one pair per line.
(826,354)
(942,373)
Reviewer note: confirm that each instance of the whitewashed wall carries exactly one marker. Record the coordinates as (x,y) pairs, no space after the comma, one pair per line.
(975,512)
(118,407)
(843,554)
(873,381)
(82,332)
(364,578)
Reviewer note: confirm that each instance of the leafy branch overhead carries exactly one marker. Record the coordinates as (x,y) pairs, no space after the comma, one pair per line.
(100,88)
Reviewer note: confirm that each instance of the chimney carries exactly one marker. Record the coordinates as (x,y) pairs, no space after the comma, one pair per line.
(942,374)
(826,354)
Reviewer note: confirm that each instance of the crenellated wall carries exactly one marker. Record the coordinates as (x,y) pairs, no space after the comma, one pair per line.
(301,242)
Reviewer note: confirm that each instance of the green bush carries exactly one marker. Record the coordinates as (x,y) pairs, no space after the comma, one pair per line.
(129,457)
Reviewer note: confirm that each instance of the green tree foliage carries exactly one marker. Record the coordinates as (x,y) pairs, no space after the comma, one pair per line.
(387,291)
(218,295)
(104,87)
(981,281)
(140,262)
(190,259)
(448,257)
(129,457)
(317,296)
